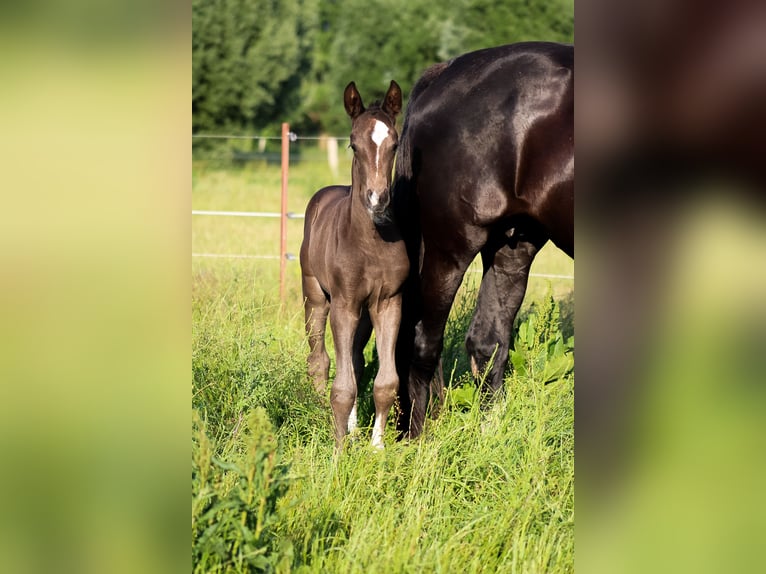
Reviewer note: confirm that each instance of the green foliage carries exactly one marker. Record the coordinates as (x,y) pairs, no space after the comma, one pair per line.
(238,361)
(248,58)
(484,490)
(375,41)
(540,351)
(257,63)
(483,23)
(234,502)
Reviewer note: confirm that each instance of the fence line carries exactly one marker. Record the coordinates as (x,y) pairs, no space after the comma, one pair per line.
(293,137)
(234,256)
(284,215)
(291,257)
(289,214)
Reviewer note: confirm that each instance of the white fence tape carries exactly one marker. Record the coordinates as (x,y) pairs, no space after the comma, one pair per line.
(290,256)
(290,214)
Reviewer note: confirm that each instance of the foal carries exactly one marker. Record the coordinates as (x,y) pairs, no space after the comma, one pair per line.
(353,266)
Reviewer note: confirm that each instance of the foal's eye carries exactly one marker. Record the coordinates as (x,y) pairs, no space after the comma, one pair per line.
(353,147)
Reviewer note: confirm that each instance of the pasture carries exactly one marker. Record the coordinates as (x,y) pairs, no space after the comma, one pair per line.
(481,491)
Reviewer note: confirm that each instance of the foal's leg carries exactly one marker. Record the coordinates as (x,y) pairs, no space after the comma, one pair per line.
(363,332)
(386,317)
(316,306)
(343,321)
(500,296)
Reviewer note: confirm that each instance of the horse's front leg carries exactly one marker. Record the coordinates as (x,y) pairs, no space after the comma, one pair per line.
(441,275)
(362,336)
(386,317)
(344,320)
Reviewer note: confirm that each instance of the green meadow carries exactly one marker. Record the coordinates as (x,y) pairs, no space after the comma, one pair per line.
(483,490)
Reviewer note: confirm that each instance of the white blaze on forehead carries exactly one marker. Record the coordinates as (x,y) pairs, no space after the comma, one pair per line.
(379,133)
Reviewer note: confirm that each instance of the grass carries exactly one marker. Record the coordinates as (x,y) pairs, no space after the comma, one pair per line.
(481,491)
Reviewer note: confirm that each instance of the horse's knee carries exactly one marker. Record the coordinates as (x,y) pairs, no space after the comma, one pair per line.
(385,388)
(342,398)
(488,358)
(471,345)
(422,369)
(478,353)
(482,336)
(342,401)
(426,346)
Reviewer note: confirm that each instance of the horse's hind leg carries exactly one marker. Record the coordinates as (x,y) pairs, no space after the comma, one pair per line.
(363,332)
(500,296)
(386,318)
(316,307)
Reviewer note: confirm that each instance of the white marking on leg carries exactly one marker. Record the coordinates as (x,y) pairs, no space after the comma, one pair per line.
(352,419)
(379,134)
(377,431)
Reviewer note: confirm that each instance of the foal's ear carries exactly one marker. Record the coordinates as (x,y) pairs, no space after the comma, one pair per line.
(392,103)
(352,101)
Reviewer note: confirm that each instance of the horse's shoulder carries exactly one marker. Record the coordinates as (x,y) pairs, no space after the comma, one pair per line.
(331,192)
(326,197)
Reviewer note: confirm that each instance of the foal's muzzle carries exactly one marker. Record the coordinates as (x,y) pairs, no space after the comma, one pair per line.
(378,203)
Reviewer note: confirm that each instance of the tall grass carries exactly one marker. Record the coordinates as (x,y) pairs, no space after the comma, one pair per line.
(484,490)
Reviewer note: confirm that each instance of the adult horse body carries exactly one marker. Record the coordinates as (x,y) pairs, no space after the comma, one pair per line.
(353,266)
(485,165)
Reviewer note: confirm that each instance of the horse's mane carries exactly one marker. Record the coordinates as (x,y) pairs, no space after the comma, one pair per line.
(404,155)
(402,195)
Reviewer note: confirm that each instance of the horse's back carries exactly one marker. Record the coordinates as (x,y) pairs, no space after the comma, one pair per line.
(516,78)
(492,131)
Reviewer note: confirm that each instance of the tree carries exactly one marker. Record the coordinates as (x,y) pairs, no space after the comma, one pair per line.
(374,41)
(248,60)
(257,63)
(491,23)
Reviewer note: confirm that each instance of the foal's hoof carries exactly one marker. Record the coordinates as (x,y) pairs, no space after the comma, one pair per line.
(378,446)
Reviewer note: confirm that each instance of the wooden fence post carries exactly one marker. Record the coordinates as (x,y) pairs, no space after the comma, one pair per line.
(283,219)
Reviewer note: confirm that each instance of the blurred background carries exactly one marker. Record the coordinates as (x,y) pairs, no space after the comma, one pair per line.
(257,63)
(95,228)
(671,314)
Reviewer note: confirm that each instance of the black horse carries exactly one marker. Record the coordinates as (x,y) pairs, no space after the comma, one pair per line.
(485,165)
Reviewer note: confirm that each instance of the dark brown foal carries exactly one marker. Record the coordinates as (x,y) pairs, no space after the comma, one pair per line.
(353,266)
